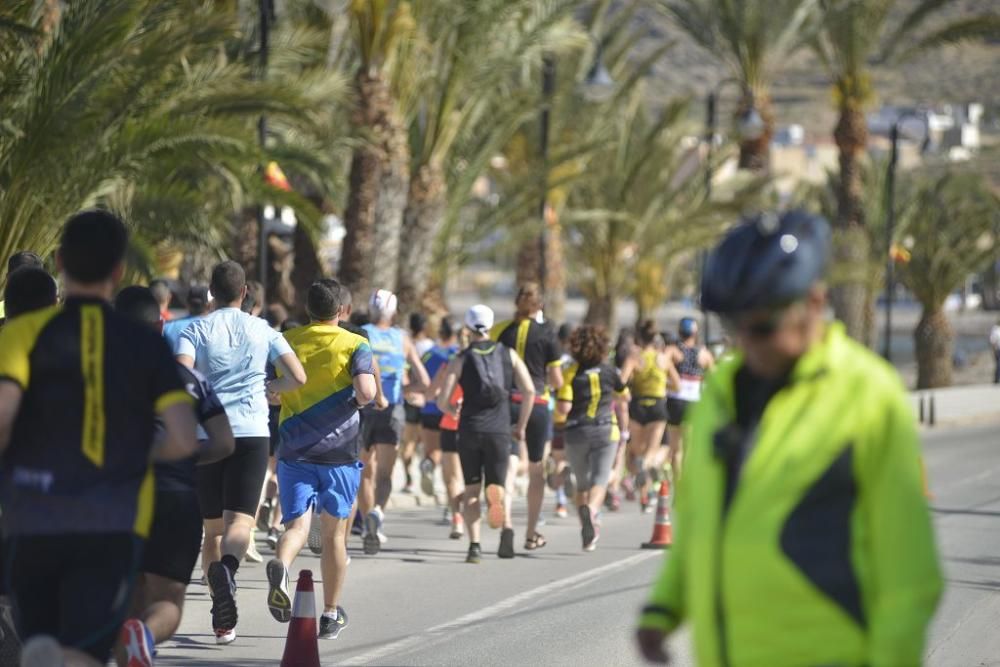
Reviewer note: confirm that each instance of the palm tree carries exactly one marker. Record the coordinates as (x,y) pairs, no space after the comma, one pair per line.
(379,173)
(128,103)
(949,224)
(851,34)
(753,39)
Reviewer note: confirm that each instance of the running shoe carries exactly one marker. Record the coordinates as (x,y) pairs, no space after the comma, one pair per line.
(329,627)
(613,501)
(315,539)
(644,506)
(457,527)
(495,512)
(475,555)
(264,515)
(137,641)
(506,549)
(373,524)
(41,651)
(272,538)
(252,555)
(222,587)
(588,532)
(358,527)
(446,516)
(279,602)
(427,477)
(629,485)
(561,512)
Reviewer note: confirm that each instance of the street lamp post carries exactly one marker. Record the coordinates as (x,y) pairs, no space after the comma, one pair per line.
(750,126)
(266,9)
(890,221)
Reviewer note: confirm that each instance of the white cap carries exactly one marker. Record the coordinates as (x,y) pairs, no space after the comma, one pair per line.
(479,318)
(383,302)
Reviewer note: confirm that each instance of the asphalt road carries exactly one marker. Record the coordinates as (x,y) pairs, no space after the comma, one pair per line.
(418,603)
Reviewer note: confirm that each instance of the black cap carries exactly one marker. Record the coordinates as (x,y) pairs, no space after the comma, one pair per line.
(767,261)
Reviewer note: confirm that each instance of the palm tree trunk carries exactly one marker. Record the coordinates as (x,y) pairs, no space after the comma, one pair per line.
(934,341)
(601,311)
(393,188)
(370,116)
(422,219)
(527,264)
(755,154)
(853,247)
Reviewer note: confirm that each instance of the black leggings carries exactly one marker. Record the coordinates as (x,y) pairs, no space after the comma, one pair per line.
(484,455)
(234,483)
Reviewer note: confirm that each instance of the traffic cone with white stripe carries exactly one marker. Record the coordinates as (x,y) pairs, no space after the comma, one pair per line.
(663,532)
(301,647)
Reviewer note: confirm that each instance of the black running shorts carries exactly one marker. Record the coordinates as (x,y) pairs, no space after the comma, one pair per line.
(485,457)
(676,408)
(430,422)
(538,432)
(234,483)
(74,587)
(648,410)
(382,427)
(175,539)
(559,439)
(449,441)
(412,413)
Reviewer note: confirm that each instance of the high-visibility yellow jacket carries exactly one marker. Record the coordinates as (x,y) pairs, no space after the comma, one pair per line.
(825,554)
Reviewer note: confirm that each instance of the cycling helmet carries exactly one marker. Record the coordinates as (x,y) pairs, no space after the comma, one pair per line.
(767,261)
(687,327)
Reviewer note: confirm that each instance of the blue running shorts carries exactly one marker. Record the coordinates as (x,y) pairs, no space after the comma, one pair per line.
(331,488)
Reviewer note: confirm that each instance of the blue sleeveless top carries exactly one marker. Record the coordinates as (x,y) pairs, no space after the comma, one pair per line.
(387,348)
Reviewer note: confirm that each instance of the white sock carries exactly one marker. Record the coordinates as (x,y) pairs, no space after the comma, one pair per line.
(331,614)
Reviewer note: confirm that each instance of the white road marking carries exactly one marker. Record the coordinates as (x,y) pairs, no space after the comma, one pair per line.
(445,631)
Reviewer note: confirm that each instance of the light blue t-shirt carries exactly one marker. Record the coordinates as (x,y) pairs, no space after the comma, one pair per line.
(173,329)
(387,346)
(232,349)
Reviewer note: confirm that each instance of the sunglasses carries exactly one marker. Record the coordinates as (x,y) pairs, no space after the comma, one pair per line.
(758,327)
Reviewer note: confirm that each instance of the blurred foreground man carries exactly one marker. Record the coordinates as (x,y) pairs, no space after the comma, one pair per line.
(802,534)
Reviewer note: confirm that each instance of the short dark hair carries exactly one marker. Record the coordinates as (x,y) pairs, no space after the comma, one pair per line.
(92,246)
(22,259)
(228,281)
(161,290)
(417,323)
(324,299)
(449,327)
(197,301)
(138,304)
(29,288)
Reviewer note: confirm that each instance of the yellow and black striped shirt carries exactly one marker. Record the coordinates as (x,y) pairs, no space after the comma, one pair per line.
(591,392)
(93,382)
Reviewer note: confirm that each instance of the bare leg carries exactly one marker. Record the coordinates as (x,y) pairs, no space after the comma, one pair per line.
(333,562)
(236,539)
(211,546)
(163,600)
(294,538)
(508,496)
(452,468)
(472,511)
(536,494)
(366,492)
(74,658)
(386,455)
(676,450)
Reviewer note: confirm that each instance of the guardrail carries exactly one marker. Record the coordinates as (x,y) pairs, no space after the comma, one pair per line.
(956,404)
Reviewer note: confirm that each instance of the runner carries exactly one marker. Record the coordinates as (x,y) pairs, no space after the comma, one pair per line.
(691,361)
(624,349)
(318,466)
(536,344)
(487,372)
(77,490)
(231,349)
(197,303)
(435,361)
(19,260)
(586,401)
(175,537)
(558,476)
(413,403)
(648,372)
(381,430)
(29,289)
(802,534)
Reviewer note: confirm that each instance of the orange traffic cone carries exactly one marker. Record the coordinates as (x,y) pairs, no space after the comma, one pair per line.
(301,647)
(663,532)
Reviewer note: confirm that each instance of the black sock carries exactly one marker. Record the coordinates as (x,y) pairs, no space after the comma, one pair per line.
(231,563)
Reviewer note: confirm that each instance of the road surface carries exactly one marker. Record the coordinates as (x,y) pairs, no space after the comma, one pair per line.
(418,603)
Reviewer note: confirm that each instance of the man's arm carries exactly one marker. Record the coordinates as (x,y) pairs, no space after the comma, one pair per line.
(416,364)
(448,387)
(705,359)
(10,403)
(364,388)
(554,375)
(906,572)
(522,380)
(220,443)
(179,432)
(292,375)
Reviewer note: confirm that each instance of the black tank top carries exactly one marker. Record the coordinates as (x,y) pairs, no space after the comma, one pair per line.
(477,417)
(689,365)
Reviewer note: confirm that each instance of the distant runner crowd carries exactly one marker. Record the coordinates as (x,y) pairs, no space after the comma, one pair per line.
(295,431)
